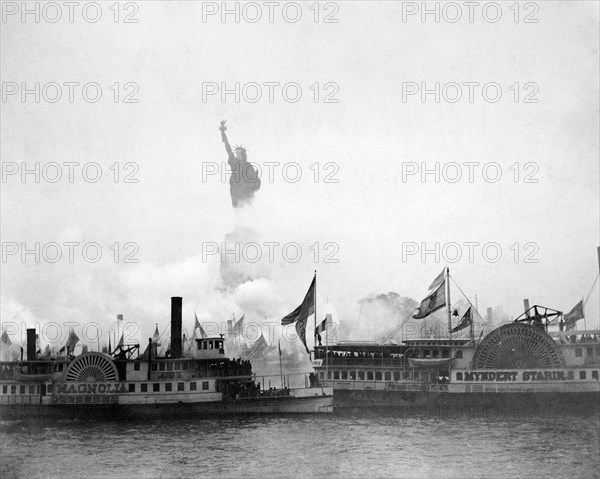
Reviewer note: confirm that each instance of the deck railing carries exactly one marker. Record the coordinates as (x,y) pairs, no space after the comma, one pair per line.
(413,386)
(391,362)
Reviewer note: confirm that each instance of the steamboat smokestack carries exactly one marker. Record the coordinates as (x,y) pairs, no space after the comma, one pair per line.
(526,305)
(176,303)
(31,345)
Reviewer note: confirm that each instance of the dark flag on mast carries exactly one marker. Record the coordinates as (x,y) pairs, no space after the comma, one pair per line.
(259,348)
(301,313)
(574,315)
(321,328)
(438,280)
(198,327)
(435,300)
(465,322)
(5,339)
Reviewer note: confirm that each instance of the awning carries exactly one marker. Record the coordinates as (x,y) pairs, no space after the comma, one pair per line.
(429,363)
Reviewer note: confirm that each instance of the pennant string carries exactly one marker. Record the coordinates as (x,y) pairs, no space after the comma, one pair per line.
(468,301)
(592,288)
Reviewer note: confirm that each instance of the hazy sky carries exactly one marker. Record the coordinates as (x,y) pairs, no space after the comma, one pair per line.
(368,137)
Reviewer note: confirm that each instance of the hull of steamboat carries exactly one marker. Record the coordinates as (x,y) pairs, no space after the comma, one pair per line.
(317,401)
(517,369)
(93,384)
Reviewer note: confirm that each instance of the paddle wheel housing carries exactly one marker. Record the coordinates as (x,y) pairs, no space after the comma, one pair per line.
(92,367)
(520,346)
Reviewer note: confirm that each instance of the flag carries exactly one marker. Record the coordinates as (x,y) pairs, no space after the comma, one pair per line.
(322,327)
(6,348)
(259,347)
(238,327)
(119,317)
(198,327)
(305,309)
(433,302)
(72,340)
(572,316)
(5,339)
(121,342)
(438,280)
(301,313)
(465,321)
(155,337)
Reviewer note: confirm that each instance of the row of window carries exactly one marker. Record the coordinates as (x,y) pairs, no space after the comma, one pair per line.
(156,387)
(22,389)
(594,375)
(167,387)
(589,351)
(210,344)
(375,375)
(171,365)
(168,365)
(398,375)
(435,353)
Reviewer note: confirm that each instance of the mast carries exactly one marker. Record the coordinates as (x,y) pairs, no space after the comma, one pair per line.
(149,357)
(280,366)
(326,345)
(448,307)
(472,332)
(583,310)
(315,302)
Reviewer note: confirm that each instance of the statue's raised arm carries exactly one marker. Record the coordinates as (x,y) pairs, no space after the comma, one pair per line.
(226,141)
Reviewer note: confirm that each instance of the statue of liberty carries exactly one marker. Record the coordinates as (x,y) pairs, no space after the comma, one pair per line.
(244,180)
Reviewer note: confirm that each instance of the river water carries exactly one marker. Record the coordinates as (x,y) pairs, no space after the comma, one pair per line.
(350,445)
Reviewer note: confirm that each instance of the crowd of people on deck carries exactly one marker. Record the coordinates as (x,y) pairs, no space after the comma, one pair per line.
(321,354)
(585,338)
(238,366)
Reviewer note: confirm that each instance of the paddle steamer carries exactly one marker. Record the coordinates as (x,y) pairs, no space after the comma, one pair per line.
(519,367)
(516,365)
(101,385)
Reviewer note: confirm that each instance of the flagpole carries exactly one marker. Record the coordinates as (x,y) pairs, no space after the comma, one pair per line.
(583,312)
(326,344)
(472,331)
(315,300)
(280,365)
(448,307)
